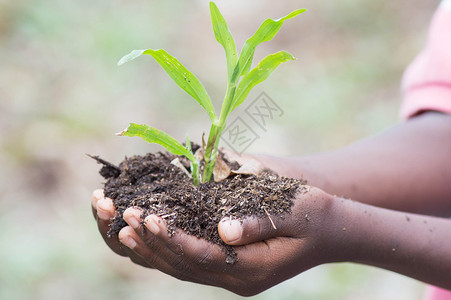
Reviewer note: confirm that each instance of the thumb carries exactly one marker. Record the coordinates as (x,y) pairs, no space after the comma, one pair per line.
(252,229)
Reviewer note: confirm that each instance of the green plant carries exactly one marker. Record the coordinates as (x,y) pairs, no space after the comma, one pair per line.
(241,80)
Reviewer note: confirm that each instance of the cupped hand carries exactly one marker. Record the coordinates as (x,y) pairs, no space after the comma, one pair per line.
(269,250)
(103,210)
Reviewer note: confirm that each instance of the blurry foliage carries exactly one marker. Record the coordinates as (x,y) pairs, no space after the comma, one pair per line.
(61,95)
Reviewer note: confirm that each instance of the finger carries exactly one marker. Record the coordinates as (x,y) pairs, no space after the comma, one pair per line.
(105,211)
(197,260)
(96,196)
(189,258)
(150,244)
(140,253)
(170,260)
(196,252)
(132,216)
(206,263)
(264,264)
(251,229)
(199,254)
(134,247)
(298,223)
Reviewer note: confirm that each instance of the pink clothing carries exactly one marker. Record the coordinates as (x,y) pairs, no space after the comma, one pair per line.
(427,86)
(427,81)
(434,293)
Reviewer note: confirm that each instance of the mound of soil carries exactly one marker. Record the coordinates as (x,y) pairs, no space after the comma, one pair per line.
(158,187)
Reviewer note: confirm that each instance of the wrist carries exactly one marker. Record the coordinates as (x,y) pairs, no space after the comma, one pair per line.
(313,210)
(339,232)
(351,231)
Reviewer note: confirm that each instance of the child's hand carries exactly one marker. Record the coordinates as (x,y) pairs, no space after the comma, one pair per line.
(320,229)
(268,256)
(103,211)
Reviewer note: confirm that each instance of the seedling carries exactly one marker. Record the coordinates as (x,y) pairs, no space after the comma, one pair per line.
(240,81)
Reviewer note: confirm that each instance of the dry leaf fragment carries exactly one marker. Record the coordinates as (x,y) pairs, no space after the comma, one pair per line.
(221,170)
(250,167)
(199,155)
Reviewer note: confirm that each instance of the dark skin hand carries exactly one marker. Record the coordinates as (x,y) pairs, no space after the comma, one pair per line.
(189,258)
(403,169)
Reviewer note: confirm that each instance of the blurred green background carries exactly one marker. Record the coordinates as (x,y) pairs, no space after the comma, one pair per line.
(62,95)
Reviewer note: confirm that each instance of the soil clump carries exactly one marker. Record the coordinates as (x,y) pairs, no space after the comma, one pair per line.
(153,184)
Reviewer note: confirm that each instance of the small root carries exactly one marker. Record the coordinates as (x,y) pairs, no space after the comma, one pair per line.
(168,215)
(272,223)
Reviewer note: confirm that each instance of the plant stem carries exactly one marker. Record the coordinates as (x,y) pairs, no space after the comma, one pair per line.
(228,100)
(216,129)
(195,173)
(211,151)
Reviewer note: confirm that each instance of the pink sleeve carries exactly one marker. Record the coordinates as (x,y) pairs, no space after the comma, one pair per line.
(427,86)
(427,81)
(434,293)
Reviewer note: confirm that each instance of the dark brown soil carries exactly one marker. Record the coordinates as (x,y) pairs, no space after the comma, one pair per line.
(158,187)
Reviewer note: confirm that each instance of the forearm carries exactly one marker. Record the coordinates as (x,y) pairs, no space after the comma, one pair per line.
(407,167)
(414,245)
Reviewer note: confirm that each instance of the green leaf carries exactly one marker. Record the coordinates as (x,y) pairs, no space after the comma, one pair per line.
(259,74)
(131,56)
(153,135)
(184,78)
(224,37)
(265,32)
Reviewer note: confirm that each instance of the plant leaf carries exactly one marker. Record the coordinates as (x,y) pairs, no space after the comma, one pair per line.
(184,78)
(264,33)
(188,143)
(131,56)
(259,74)
(224,37)
(153,135)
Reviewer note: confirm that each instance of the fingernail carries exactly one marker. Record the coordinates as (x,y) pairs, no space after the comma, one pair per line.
(232,230)
(104,207)
(129,242)
(102,214)
(133,222)
(151,224)
(96,196)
